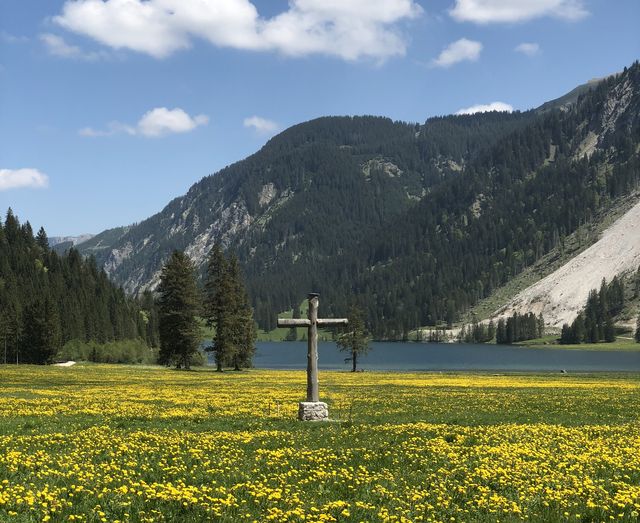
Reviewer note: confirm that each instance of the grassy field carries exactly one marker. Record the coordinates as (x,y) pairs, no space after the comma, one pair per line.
(104,443)
(551,342)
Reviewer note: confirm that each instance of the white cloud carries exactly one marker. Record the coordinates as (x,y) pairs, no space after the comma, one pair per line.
(57,46)
(261,125)
(506,11)
(530,49)
(459,51)
(485,108)
(349,29)
(162,121)
(22,178)
(154,123)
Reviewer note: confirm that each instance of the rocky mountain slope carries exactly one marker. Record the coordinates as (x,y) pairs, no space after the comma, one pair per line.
(417,222)
(561,295)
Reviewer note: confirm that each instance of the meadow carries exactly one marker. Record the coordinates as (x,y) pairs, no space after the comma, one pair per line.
(106,443)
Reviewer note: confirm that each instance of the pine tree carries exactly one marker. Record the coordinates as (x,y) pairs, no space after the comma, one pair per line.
(42,240)
(228,311)
(609,330)
(566,337)
(218,290)
(179,305)
(501,332)
(42,339)
(355,337)
(242,324)
(578,329)
(491,331)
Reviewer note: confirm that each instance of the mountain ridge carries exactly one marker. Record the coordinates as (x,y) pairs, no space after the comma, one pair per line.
(335,203)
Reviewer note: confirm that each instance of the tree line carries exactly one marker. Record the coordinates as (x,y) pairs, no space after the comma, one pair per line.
(47,300)
(595,324)
(519,327)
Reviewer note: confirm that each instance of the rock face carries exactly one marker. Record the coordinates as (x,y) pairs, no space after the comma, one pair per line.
(313,411)
(563,294)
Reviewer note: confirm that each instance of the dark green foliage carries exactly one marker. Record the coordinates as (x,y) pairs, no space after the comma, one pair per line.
(596,324)
(637,334)
(47,300)
(148,319)
(179,305)
(519,327)
(477,332)
(354,337)
(228,311)
(123,351)
(42,336)
(417,221)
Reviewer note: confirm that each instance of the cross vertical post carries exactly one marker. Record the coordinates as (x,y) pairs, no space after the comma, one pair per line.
(312,350)
(312,409)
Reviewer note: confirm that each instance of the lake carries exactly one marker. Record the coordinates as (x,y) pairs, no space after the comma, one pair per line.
(447,357)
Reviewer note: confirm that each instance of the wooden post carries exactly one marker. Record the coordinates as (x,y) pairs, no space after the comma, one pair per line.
(312,349)
(313,408)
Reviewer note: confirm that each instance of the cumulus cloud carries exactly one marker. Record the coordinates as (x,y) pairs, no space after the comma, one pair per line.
(459,51)
(349,29)
(261,125)
(154,123)
(506,11)
(530,49)
(57,46)
(162,121)
(485,108)
(22,178)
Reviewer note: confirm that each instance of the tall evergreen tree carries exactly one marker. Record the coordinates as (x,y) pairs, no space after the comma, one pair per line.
(41,332)
(42,240)
(179,306)
(244,330)
(228,311)
(218,294)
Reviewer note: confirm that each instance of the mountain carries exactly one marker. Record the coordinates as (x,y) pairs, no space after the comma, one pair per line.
(73,240)
(417,222)
(62,244)
(565,101)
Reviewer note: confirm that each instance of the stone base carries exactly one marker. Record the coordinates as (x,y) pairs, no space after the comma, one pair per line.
(313,411)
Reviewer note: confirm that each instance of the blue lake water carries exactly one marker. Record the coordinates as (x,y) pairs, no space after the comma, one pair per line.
(446,357)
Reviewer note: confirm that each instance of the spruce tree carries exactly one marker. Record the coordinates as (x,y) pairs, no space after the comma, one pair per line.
(179,306)
(501,332)
(42,339)
(42,240)
(243,326)
(228,311)
(218,291)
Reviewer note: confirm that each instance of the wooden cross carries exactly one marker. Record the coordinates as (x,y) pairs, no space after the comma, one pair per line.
(312,339)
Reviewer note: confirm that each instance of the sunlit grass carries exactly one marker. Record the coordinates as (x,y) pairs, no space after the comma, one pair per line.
(110,443)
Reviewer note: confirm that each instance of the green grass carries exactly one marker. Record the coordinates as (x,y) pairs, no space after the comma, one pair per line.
(548,342)
(143,444)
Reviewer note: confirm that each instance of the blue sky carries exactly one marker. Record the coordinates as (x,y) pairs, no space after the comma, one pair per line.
(111,108)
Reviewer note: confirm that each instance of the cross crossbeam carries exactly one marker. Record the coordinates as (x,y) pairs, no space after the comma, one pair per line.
(312,324)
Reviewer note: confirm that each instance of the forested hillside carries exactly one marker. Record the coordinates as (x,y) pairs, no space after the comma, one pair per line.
(47,300)
(417,222)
